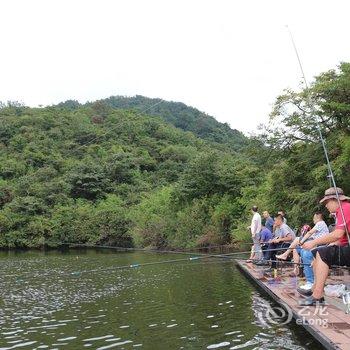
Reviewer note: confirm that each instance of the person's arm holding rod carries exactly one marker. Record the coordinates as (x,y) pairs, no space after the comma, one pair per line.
(326,239)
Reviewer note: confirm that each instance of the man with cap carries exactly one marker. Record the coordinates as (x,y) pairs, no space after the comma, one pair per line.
(337,253)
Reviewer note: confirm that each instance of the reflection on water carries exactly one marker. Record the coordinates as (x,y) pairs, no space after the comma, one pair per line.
(45,303)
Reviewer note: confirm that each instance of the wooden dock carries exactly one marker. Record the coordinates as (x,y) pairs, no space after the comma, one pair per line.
(330,325)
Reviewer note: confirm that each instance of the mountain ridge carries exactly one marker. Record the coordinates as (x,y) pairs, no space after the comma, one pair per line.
(179,114)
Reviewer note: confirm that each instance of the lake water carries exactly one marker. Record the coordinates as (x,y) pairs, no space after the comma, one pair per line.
(77,299)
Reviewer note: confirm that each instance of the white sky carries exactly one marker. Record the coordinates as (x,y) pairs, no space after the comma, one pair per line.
(227,58)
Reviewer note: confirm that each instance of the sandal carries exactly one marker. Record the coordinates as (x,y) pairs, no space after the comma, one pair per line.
(278,257)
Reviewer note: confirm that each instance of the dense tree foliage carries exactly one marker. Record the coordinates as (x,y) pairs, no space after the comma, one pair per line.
(176,113)
(100,174)
(146,172)
(295,169)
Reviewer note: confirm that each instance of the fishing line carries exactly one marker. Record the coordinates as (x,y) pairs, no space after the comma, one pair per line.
(112,268)
(185,251)
(311,105)
(170,251)
(229,256)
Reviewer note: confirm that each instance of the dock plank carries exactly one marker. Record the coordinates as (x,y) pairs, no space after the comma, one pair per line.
(329,325)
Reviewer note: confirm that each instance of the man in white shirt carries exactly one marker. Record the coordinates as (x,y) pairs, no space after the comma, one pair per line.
(255,229)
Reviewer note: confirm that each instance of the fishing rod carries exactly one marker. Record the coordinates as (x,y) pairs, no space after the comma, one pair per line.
(303,264)
(229,256)
(193,258)
(134,265)
(284,261)
(311,105)
(185,251)
(170,251)
(131,249)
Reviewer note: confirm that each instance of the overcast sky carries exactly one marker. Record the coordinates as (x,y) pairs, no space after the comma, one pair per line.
(229,59)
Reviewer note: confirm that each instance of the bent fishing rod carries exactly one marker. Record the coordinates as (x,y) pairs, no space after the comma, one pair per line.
(229,257)
(171,251)
(312,108)
(184,251)
(132,266)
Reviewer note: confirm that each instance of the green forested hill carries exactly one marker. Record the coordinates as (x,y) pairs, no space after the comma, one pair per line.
(176,113)
(108,173)
(102,175)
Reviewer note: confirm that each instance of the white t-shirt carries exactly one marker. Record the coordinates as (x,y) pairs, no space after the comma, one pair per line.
(321,229)
(255,227)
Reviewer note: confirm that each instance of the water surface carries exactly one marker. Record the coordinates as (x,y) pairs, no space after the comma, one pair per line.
(76,300)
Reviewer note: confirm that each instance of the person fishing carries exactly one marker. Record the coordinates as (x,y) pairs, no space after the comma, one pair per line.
(283,236)
(337,253)
(297,241)
(255,229)
(320,229)
(269,222)
(264,237)
(304,235)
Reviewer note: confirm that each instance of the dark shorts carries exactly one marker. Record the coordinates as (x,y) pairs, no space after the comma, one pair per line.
(334,255)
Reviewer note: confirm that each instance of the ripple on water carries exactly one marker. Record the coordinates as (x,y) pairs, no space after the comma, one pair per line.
(249,343)
(172,325)
(68,338)
(114,345)
(219,345)
(99,338)
(20,345)
(233,332)
(108,304)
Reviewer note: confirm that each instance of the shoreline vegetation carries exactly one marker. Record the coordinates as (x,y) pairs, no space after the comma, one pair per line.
(229,248)
(140,172)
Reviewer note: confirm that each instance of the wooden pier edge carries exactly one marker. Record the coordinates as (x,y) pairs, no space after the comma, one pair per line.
(325,341)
